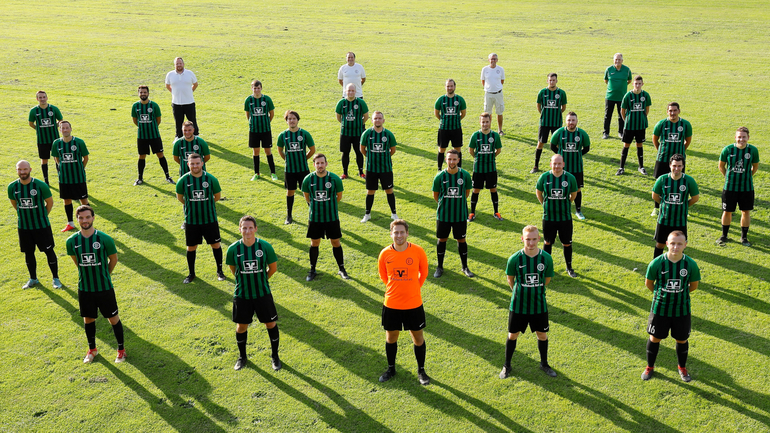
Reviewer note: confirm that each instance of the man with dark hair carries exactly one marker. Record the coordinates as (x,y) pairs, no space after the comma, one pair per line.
(146,116)
(634,110)
(738,163)
(450,110)
(378,145)
(451,188)
(295,146)
(44,118)
(671,136)
(617,78)
(188,144)
(556,190)
(551,103)
(182,83)
(484,147)
(572,143)
(71,155)
(675,192)
(259,110)
(352,113)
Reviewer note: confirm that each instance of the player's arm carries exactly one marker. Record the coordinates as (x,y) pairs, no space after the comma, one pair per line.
(436,113)
(176,158)
(646,110)
(112,262)
(468,192)
(194,86)
(307,197)
(623,112)
(573,195)
(656,142)
(85,160)
(16,205)
(722,168)
(232,269)
(540,108)
(136,121)
(282,153)
(32,125)
(56,159)
(168,87)
(462,114)
(248,116)
(472,151)
(650,284)
(693,285)
(363,150)
(687,142)
(271,114)
(511,280)
(382,269)
(74,259)
(656,197)
(423,260)
(206,158)
(271,269)
(366,116)
(392,150)
(339,117)
(48,205)
(180,197)
(310,152)
(483,83)
(217,196)
(563,107)
(340,80)
(754,168)
(694,199)
(539,195)
(339,197)
(363,80)
(502,82)
(547,280)
(498,151)
(435,196)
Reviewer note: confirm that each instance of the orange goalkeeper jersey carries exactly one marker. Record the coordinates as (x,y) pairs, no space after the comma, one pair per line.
(403,273)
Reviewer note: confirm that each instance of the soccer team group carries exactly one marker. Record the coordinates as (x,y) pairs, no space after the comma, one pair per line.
(403,266)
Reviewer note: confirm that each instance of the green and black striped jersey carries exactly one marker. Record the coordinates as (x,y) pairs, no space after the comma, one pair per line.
(485,146)
(450,110)
(671,294)
(738,163)
(674,198)
(352,112)
(70,154)
(556,191)
(295,146)
(323,196)
(146,116)
(377,145)
(672,137)
(30,203)
(551,102)
(259,111)
(91,254)
(251,266)
(200,206)
(571,145)
(46,123)
(529,281)
(636,105)
(183,149)
(452,201)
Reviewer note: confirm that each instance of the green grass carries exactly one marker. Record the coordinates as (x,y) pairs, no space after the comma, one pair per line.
(91,56)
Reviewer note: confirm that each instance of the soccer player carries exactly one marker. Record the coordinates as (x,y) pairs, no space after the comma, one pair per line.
(403,268)
(451,191)
(378,145)
(484,147)
(528,271)
(188,144)
(492,80)
(634,110)
(617,78)
(738,163)
(44,119)
(351,73)
(199,191)
(677,135)
(450,110)
(253,261)
(33,202)
(95,255)
(71,155)
(323,190)
(146,116)
(572,143)
(259,110)
(182,83)
(551,103)
(556,190)
(352,113)
(295,146)
(671,277)
(675,192)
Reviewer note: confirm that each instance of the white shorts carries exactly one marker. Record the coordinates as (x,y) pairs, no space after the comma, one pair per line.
(494,100)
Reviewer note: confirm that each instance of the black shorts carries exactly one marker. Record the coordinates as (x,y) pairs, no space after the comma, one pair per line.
(374,178)
(482,179)
(563,228)
(518,322)
(659,326)
(458,229)
(346,142)
(330,230)
(293,181)
(634,136)
(265,138)
(143,145)
(578,178)
(42,238)
(408,320)
(662,232)
(244,309)
(44,150)
(92,302)
(195,233)
(544,132)
(73,191)
(453,135)
(743,199)
(661,168)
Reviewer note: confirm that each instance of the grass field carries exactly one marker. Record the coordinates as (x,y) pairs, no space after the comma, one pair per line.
(91,55)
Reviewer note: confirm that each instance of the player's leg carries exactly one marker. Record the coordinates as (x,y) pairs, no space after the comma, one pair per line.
(442,235)
(640,155)
(178,111)
(460,150)
(391,322)
(680,332)
(371,187)
(68,211)
(189,111)
(658,328)
(442,142)
(241,339)
(387,185)
(621,122)
(345,145)
(337,248)
(514,328)
(729,205)
(565,236)
(117,329)
(474,202)
(459,230)
(608,107)
(216,249)
(541,326)
(623,157)
(542,138)
(313,253)
(359,157)
(549,235)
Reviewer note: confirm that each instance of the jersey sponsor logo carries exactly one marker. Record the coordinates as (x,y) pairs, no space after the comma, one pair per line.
(401,273)
(258,111)
(673,137)
(674,198)
(67,157)
(250,267)
(673,286)
(377,147)
(294,147)
(321,196)
(198,195)
(452,192)
(570,147)
(557,194)
(551,103)
(45,122)
(485,148)
(27,203)
(540,267)
(144,118)
(738,168)
(450,111)
(88,259)
(96,245)
(638,106)
(683,273)
(531,280)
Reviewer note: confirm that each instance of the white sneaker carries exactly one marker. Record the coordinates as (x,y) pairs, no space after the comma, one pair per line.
(90,356)
(394,216)
(366,217)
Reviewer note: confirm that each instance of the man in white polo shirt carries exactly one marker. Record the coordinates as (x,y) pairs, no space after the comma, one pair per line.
(182,83)
(492,79)
(352,72)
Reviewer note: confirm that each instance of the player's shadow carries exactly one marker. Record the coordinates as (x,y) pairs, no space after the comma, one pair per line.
(416,151)
(243,159)
(616,298)
(733,264)
(520,139)
(144,230)
(619,189)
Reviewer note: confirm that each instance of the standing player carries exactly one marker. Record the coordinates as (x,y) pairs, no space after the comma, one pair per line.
(484,147)
(572,143)
(199,191)
(378,145)
(352,113)
(451,191)
(33,202)
(492,80)
(634,110)
(671,277)
(253,261)
(323,190)
(44,119)
(617,78)
(352,73)
(556,190)
(551,103)
(71,155)
(188,144)
(450,110)
(95,255)
(529,270)
(295,146)
(146,115)
(259,110)
(738,163)
(675,192)
(182,83)
(677,135)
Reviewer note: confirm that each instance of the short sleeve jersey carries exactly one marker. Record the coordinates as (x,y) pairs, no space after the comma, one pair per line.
(671,294)
(452,203)
(635,106)
(30,203)
(674,198)
(738,163)
(556,191)
(71,168)
(198,192)
(529,281)
(183,149)
(46,125)
(403,273)
(551,102)
(571,145)
(377,145)
(92,256)
(352,112)
(251,266)
(146,116)
(617,82)
(493,78)
(450,110)
(485,146)
(323,196)
(259,111)
(351,74)
(672,136)
(295,145)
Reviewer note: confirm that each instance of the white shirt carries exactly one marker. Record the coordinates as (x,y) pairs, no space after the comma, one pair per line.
(181,86)
(351,74)
(493,78)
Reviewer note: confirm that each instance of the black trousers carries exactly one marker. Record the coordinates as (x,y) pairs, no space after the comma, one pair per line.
(180,111)
(609,107)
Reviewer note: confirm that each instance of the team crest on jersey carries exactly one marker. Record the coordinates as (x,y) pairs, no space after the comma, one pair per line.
(73,148)
(205,184)
(300,138)
(355,107)
(577,139)
(50,113)
(680,129)
(540,267)
(557,96)
(260,253)
(328,184)
(149,110)
(491,139)
(682,188)
(564,183)
(683,272)
(409,260)
(642,99)
(33,192)
(264,103)
(384,139)
(498,72)
(195,147)
(96,245)
(747,156)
